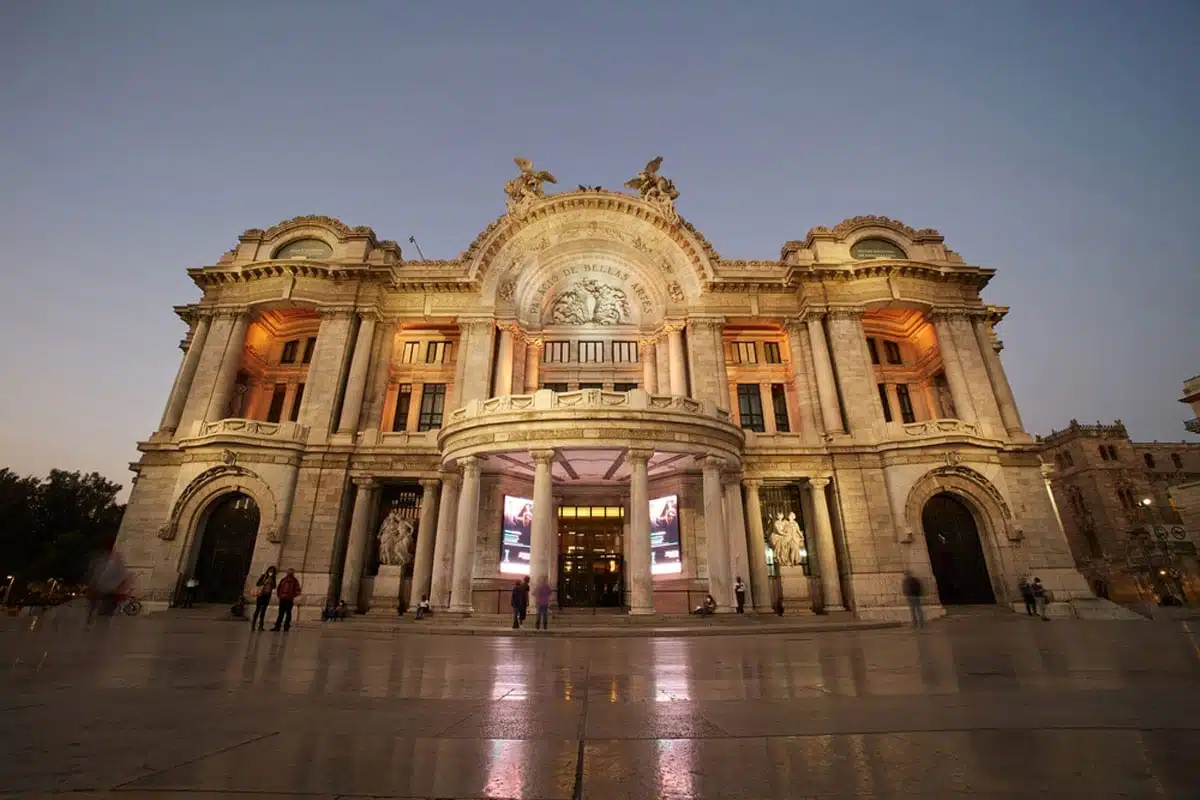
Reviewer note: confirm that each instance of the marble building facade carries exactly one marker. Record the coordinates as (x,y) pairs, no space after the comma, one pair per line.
(389,428)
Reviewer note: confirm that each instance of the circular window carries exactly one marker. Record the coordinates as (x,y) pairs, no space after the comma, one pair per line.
(876,248)
(304,248)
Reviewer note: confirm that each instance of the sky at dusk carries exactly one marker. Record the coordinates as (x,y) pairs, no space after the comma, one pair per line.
(1055,142)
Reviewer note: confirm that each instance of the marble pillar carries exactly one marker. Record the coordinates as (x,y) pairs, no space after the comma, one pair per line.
(533,363)
(426,535)
(356,383)
(641,580)
(959,391)
(831,584)
(1009,414)
(187,371)
(366,491)
(504,363)
(809,422)
(760,580)
(231,362)
(648,357)
(677,360)
(541,534)
(719,585)
(735,525)
(831,414)
(443,546)
(466,531)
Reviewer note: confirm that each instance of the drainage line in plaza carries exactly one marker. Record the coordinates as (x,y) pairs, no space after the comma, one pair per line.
(577,792)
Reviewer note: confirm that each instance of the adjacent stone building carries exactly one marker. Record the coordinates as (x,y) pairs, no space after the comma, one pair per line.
(1125,508)
(591,395)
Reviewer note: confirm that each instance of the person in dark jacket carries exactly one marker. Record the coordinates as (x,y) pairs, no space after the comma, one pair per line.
(288,590)
(1027,595)
(262,598)
(519,602)
(912,592)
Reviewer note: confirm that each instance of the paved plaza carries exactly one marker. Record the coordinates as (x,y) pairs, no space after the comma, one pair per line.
(165,706)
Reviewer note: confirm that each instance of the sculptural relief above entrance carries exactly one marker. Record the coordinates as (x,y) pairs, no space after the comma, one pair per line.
(590,302)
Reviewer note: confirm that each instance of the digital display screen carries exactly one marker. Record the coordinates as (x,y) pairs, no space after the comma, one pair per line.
(665,557)
(516,535)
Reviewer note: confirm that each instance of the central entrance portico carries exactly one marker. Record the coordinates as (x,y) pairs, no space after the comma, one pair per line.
(591,556)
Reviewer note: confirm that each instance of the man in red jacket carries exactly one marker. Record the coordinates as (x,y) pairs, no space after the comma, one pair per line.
(288,591)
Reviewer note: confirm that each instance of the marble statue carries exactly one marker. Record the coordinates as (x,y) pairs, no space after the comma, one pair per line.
(787,540)
(590,302)
(395,540)
(656,189)
(526,188)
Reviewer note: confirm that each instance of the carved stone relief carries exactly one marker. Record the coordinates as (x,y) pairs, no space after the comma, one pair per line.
(591,302)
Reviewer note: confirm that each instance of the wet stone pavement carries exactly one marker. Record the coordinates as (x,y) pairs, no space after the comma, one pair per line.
(168,707)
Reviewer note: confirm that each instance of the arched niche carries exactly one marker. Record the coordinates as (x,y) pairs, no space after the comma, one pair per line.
(187,513)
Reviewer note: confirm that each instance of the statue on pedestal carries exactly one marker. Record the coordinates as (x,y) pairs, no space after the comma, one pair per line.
(526,188)
(656,189)
(787,540)
(395,540)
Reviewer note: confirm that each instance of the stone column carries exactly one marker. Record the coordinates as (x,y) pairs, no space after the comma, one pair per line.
(357,382)
(231,362)
(289,398)
(327,371)
(735,524)
(722,398)
(718,542)
(955,377)
(855,374)
(760,589)
(443,546)
(831,414)
(831,585)
(187,371)
(541,534)
(473,370)
(366,490)
(466,532)
(504,363)
(996,376)
(533,363)
(423,561)
(648,357)
(641,581)
(808,420)
(676,356)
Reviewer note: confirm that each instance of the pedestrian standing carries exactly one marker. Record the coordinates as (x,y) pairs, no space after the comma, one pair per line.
(1027,595)
(189,591)
(517,601)
(739,591)
(288,590)
(1041,599)
(912,592)
(527,591)
(541,596)
(262,598)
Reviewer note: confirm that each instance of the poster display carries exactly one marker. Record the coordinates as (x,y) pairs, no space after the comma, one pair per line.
(516,535)
(665,557)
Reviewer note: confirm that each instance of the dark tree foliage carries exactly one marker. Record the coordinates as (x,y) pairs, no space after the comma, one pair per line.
(49,528)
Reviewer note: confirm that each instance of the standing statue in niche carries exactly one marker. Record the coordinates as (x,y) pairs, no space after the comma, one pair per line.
(590,302)
(526,188)
(655,189)
(395,540)
(946,400)
(787,540)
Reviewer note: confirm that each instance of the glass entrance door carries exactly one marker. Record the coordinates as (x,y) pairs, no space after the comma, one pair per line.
(591,563)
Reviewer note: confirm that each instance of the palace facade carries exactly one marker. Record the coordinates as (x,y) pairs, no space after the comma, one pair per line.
(590,394)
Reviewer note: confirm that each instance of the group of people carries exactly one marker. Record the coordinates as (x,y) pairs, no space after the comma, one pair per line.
(709,606)
(1032,592)
(287,588)
(520,603)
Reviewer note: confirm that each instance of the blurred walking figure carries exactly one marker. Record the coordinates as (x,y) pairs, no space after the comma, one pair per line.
(288,591)
(1027,595)
(913,591)
(519,602)
(108,582)
(1040,598)
(541,597)
(262,598)
(189,591)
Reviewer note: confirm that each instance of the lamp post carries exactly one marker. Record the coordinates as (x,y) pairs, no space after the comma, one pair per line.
(1166,564)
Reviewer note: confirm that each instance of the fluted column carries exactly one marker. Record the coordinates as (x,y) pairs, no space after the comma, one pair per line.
(443,546)
(1009,414)
(641,581)
(809,422)
(959,391)
(760,588)
(473,368)
(649,359)
(533,362)
(327,372)
(735,524)
(677,359)
(465,534)
(831,414)
(231,362)
(855,375)
(365,491)
(718,542)
(831,585)
(357,382)
(187,371)
(541,534)
(722,398)
(504,363)
(423,561)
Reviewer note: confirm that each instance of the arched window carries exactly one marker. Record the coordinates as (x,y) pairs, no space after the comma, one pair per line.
(876,248)
(304,248)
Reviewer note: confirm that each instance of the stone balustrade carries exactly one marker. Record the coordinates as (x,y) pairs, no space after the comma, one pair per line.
(939,427)
(249,431)
(635,400)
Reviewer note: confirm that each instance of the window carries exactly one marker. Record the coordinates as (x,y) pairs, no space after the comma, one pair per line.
(275,412)
(779,401)
(403,404)
(1112,453)
(591,386)
(412,351)
(1149,460)
(1070,461)
(771,353)
(591,352)
(625,352)
(892,351)
(745,352)
(289,352)
(876,248)
(294,414)
(1176,460)
(906,407)
(873,349)
(557,352)
(624,387)
(555,387)
(310,344)
(887,405)
(750,406)
(438,353)
(433,399)
(1104,452)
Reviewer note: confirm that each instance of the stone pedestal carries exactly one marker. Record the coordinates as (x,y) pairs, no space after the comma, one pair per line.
(385,593)
(797,590)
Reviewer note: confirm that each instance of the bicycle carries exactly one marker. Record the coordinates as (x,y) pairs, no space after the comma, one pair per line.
(131,607)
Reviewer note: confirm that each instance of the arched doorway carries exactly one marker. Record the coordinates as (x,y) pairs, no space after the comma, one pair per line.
(226,547)
(955,552)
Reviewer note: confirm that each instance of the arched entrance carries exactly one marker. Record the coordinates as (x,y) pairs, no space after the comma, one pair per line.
(955,551)
(226,547)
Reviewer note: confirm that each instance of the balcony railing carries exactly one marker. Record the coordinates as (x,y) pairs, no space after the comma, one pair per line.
(250,429)
(544,399)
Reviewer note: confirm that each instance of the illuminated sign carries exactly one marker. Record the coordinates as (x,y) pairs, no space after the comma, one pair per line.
(516,535)
(665,557)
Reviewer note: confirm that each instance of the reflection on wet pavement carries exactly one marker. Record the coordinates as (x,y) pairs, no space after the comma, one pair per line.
(160,705)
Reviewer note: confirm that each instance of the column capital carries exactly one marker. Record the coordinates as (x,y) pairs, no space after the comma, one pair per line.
(752,484)
(711,463)
(639,454)
(509,325)
(846,313)
(470,465)
(365,482)
(542,456)
(472,325)
(646,342)
(371,314)
(233,312)
(336,312)
(795,324)
(449,477)
(937,315)
(673,326)
(818,483)
(732,477)
(429,484)
(706,323)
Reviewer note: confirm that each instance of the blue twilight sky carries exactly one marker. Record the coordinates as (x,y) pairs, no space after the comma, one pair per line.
(1054,141)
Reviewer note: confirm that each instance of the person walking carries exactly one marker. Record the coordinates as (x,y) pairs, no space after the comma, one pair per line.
(288,591)
(913,591)
(517,601)
(189,591)
(262,598)
(1027,595)
(739,591)
(1041,599)
(541,597)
